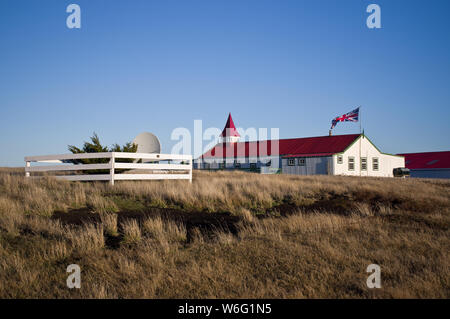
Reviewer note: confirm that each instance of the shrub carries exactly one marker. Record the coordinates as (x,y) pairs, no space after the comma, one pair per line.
(96,147)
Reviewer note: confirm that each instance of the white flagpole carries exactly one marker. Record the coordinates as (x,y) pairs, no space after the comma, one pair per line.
(360,120)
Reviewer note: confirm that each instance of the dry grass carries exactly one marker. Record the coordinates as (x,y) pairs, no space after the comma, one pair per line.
(109,222)
(131,232)
(283,237)
(88,238)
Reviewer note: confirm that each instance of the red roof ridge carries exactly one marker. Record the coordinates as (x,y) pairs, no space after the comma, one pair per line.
(301,145)
(292,138)
(296,138)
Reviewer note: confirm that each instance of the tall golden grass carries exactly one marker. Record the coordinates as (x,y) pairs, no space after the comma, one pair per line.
(295,237)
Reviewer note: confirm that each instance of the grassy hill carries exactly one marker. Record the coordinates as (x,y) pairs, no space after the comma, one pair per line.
(229,234)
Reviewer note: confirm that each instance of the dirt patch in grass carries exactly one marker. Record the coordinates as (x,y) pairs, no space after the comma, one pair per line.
(207,224)
(415,220)
(334,203)
(346,204)
(76,217)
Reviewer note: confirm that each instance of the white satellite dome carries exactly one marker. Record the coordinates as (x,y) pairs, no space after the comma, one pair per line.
(147,143)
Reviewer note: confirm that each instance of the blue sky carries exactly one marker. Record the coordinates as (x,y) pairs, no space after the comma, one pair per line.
(157,65)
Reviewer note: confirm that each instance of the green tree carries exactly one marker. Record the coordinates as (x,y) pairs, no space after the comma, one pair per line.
(95,146)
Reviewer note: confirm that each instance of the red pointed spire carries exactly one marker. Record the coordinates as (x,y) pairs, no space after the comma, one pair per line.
(229,129)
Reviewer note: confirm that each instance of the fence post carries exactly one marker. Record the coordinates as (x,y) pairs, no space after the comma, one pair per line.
(28,164)
(190,171)
(111,170)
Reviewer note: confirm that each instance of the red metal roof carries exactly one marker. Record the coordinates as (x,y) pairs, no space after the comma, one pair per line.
(229,129)
(308,155)
(427,160)
(308,146)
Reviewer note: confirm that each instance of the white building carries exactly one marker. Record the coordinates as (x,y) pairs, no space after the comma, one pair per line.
(352,154)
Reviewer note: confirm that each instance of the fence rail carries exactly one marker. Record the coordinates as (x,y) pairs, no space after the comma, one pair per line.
(158,170)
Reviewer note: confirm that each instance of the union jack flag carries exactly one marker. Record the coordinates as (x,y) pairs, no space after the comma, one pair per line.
(352,116)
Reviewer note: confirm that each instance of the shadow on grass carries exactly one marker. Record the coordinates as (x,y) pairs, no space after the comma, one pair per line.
(207,223)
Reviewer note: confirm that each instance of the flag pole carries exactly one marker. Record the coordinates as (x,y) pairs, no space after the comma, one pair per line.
(360,120)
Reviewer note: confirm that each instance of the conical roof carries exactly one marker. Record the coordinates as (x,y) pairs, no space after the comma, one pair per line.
(229,129)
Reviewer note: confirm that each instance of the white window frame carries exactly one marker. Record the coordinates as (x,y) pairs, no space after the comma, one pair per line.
(361,164)
(291,161)
(351,161)
(300,161)
(340,159)
(377,160)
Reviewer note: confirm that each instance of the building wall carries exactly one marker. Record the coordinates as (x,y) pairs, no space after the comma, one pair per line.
(272,162)
(431,173)
(386,162)
(313,166)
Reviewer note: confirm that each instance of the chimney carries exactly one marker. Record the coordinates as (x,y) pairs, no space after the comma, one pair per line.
(329,134)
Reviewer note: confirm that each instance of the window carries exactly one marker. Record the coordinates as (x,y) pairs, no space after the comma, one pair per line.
(363,163)
(351,163)
(340,159)
(252,165)
(301,161)
(291,161)
(375,164)
(237,164)
(222,165)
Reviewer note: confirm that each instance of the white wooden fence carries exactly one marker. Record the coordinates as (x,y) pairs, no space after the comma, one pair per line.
(181,169)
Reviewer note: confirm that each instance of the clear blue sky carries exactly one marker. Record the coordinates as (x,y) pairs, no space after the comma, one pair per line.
(154,65)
